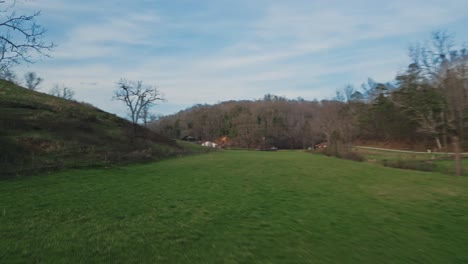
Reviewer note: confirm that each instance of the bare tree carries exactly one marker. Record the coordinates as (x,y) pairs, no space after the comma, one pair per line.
(348,91)
(144,115)
(345,94)
(454,87)
(20,37)
(138,98)
(62,92)
(8,75)
(32,80)
(336,124)
(445,67)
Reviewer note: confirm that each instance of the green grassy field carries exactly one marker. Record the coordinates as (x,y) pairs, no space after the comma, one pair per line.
(236,207)
(433,162)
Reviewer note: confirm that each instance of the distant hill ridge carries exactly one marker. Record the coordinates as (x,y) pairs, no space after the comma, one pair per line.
(40,132)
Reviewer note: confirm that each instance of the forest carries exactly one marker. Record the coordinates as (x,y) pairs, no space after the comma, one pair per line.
(424,107)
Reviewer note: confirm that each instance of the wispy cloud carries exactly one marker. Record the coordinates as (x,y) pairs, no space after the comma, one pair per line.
(209,51)
(108,37)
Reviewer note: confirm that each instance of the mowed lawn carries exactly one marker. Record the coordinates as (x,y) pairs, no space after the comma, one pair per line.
(236,207)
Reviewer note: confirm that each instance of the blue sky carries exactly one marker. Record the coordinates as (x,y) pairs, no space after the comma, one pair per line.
(217,50)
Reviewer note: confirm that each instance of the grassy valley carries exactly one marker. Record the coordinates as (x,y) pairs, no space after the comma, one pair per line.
(318,140)
(236,207)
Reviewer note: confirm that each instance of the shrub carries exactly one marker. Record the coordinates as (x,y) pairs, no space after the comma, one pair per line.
(410,164)
(351,155)
(343,154)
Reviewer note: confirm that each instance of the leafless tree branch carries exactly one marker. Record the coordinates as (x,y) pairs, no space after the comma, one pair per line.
(21,37)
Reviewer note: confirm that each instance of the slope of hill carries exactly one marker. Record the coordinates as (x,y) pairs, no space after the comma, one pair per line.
(42,132)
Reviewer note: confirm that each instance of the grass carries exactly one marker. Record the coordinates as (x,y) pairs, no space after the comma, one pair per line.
(380,154)
(236,207)
(418,161)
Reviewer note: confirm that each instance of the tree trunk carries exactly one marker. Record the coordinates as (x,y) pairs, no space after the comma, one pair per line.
(134,126)
(457,152)
(444,142)
(328,138)
(439,146)
(444,133)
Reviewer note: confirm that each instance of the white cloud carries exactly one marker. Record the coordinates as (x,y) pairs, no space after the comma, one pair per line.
(284,48)
(108,38)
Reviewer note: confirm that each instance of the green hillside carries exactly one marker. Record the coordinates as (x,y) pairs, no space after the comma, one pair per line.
(42,132)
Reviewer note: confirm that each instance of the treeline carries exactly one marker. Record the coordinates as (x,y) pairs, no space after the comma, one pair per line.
(292,124)
(426,105)
(273,121)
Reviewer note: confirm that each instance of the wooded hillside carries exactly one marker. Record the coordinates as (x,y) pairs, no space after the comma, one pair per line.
(424,107)
(293,124)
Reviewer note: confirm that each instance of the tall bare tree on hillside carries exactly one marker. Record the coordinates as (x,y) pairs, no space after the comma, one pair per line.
(62,91)
(32,80)
(8,75)
(137,97)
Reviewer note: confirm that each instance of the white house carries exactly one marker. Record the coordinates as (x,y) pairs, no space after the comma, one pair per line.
(209,144)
